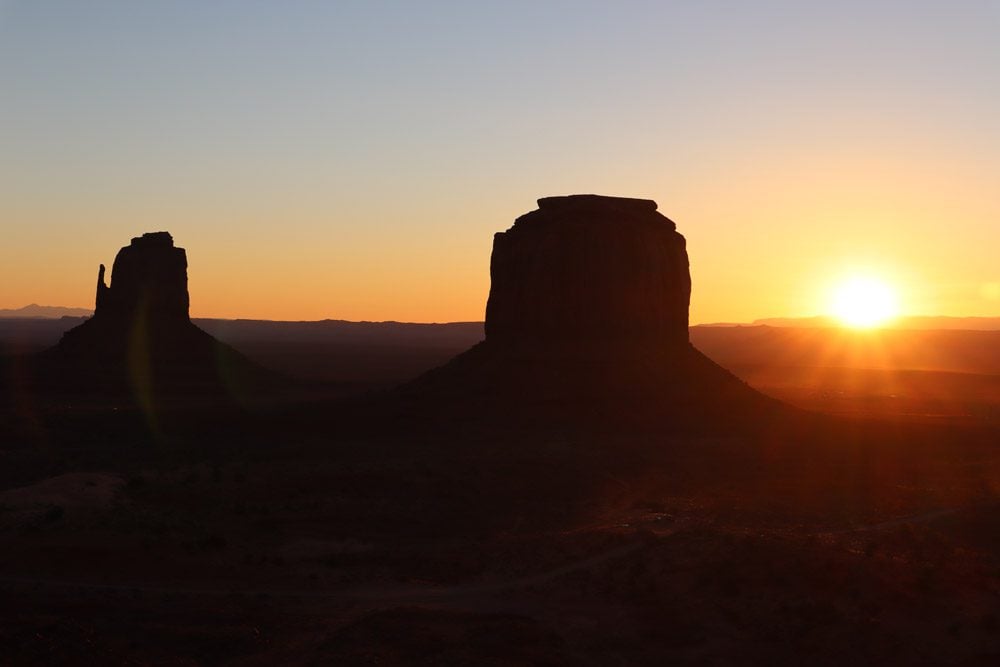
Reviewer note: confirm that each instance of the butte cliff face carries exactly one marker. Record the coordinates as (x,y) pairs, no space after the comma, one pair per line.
(141,337)
(588,314)
(149,276)
(589,271)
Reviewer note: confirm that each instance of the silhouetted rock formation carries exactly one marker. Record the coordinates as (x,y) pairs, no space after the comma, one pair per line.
(141,336)
(587,314)
(589,269)
(148,275)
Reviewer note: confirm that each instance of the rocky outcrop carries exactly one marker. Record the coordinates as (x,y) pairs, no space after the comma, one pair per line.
(584,269)
(149,275)
(588,315)
(141,338)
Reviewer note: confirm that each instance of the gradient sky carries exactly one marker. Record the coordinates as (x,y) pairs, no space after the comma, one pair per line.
(353,159)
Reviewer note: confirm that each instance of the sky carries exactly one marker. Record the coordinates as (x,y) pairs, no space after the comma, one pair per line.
(352,160)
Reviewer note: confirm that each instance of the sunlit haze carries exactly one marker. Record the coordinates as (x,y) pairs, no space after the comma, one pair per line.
(353,159)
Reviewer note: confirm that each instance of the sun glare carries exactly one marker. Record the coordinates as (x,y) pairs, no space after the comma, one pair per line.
(864,302)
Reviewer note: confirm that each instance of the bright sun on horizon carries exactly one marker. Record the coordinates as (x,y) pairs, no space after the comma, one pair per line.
(863,302)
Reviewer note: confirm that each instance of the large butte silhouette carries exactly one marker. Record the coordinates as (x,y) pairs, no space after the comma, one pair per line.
(141,337)
(588,315)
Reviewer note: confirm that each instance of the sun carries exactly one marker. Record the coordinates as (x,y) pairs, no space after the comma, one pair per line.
(863,302)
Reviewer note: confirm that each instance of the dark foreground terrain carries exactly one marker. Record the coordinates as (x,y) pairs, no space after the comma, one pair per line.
(386,530)
(356,533)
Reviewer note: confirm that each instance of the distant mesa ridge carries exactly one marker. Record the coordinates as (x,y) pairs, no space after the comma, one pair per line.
(35,311)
